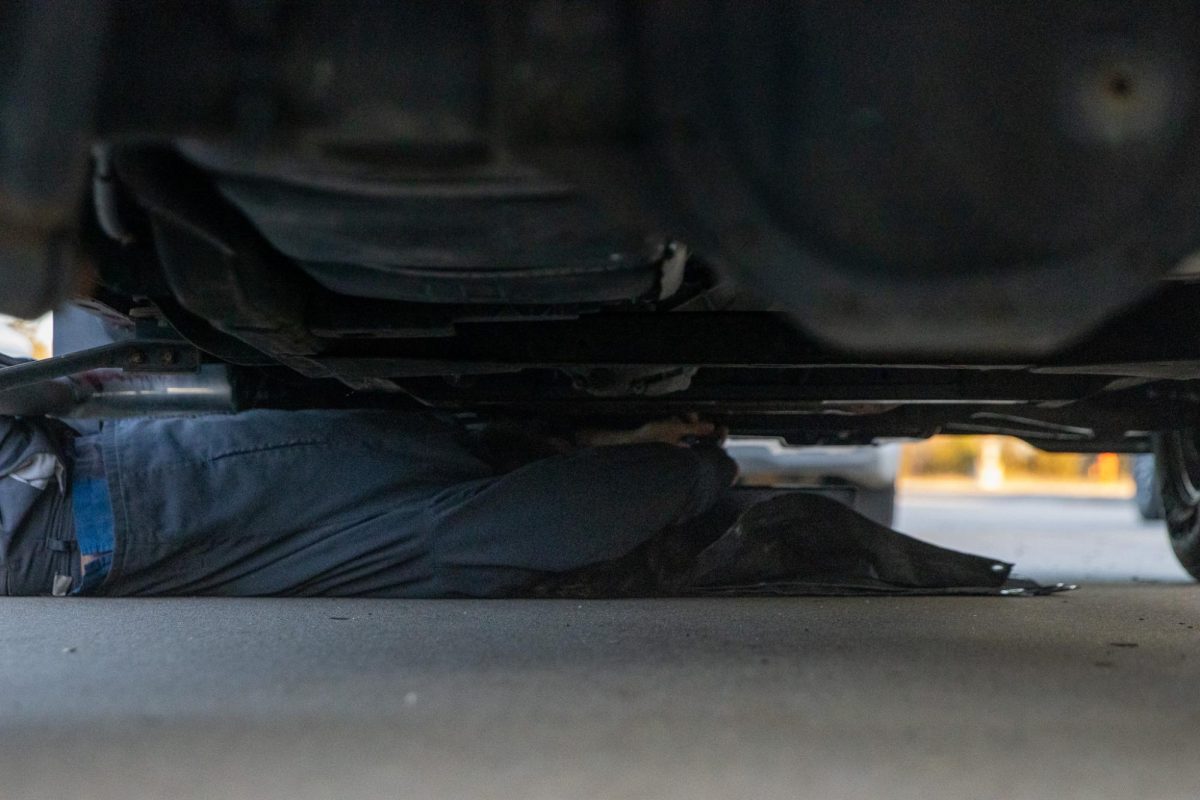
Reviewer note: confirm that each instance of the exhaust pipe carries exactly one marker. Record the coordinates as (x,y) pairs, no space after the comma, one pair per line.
(115,393)
(112,393)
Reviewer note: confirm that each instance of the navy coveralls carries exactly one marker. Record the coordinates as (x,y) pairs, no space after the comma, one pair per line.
(362,503)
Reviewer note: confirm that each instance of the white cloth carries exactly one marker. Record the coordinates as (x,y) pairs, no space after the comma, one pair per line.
(37,471)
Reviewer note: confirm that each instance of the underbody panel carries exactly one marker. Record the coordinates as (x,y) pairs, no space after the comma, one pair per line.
(830,222)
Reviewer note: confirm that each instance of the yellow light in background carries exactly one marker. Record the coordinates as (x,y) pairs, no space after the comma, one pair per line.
(1011,466)
(43,336)
(25,338)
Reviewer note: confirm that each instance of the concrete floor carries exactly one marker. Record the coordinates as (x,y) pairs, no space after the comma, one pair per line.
(1050,539)
(1086,695)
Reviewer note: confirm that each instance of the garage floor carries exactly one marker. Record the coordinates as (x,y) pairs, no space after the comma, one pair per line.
(1091,694)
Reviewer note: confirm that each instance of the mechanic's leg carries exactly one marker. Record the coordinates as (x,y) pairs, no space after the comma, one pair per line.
(494,536)
(275,502)
(661,566)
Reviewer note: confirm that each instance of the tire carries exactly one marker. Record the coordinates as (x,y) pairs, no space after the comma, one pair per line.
(1177,454)
(1148,496)
(876,504)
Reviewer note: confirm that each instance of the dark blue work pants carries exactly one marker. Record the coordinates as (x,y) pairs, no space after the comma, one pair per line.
(369,503)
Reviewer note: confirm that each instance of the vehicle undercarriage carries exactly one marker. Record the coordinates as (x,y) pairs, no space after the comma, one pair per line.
(832,223)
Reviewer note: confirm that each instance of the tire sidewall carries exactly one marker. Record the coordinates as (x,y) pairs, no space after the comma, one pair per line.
(1181,504)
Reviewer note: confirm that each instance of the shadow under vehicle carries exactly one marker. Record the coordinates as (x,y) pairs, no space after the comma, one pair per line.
(829,223)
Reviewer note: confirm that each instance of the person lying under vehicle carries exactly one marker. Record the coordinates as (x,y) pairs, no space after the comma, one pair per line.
(389,504)
(362,503)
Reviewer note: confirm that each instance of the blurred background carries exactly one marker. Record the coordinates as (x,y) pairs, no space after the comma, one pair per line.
(1005,465)
(26,338)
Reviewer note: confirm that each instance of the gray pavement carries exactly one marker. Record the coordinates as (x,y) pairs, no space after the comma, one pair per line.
(1086,695)
(1049,538)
